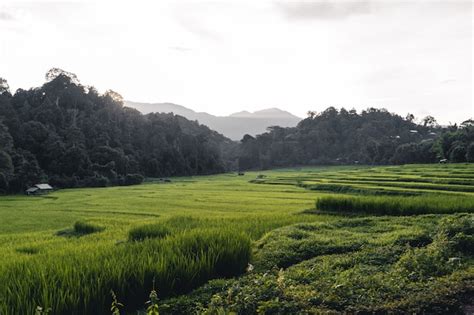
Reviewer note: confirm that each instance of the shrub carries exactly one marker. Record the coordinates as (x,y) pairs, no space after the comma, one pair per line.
(133,179)
(470,153)
(458,154)
(461,231)
(95,181)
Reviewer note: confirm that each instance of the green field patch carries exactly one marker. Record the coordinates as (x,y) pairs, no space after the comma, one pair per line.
(396,205)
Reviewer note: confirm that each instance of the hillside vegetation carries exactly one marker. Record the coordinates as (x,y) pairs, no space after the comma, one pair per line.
(69,135)
(342,137)
(195,236)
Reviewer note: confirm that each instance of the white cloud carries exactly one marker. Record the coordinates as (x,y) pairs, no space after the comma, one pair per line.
(227,56)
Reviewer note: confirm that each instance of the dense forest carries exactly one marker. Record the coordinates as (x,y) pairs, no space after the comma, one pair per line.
(69,135)
(375,136)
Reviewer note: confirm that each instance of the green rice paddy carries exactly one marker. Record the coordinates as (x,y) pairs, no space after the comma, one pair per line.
(68,249)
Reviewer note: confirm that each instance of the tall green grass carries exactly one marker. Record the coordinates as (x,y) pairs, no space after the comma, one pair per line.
(80,284)
(154,230)
(391,205)
(81,227)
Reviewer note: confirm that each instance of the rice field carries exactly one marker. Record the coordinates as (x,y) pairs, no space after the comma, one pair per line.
(396,205)
(68,249)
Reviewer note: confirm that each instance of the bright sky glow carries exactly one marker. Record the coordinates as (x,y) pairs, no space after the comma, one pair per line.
(227,56)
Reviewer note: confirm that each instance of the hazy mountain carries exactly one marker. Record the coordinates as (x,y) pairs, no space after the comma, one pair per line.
(234,126)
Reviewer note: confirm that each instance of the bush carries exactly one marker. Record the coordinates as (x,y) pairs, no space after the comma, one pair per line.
(3,183)
(95,181)
(470,153)
(64,181)
(133,179)
(458,154)
(461,231)
(143,232)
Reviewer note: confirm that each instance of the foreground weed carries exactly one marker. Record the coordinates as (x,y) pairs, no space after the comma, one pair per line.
(42,311)
(116,305)
(152,308)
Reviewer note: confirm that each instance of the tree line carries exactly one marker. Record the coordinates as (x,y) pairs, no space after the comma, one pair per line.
(374,136)
(69,135)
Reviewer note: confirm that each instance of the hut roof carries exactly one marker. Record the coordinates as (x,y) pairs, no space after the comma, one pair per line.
(43,186)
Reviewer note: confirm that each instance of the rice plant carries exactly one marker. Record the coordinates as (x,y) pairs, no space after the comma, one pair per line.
(389,205)
(156,230)
(78,284)
(81,227)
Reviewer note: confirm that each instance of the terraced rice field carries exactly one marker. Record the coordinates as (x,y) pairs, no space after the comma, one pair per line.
(398,180)
(67,250)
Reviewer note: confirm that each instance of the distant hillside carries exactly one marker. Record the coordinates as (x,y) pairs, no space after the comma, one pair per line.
(374,136)
(68,135)
(234,126)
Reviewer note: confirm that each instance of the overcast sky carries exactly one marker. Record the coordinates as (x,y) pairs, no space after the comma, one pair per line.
(226,56)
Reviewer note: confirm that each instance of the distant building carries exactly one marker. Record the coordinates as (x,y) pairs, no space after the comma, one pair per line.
(39,189)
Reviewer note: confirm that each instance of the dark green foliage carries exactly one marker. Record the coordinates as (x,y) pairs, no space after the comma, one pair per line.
(80,228)
(461,232)
(83,228)
(470,153)
(96,181)
(29,250)
(339,137)
(69,134)
(455,143)
(417,240)
(333,136)
(133,179)
(458,154)
(140,233)
(411,153)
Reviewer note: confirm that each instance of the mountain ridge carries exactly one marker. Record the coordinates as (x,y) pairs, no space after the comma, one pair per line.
(233,126)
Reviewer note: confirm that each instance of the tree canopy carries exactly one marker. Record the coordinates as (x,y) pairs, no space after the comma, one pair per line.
(374,136)
(70,135)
